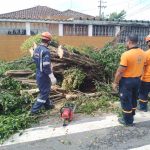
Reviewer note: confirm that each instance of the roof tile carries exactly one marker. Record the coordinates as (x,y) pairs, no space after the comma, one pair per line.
(42,12)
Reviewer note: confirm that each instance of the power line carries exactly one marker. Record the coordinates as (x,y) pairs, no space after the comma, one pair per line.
(140,10)
(101,6)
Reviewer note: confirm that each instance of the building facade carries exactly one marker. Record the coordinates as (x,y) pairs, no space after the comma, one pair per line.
(71,27)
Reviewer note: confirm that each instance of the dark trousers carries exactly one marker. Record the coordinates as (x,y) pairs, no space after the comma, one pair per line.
(128,90)
(44,86)
(143,94)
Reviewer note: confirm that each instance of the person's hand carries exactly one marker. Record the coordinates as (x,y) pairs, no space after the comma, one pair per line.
(60,52)
(52,78)
(31,50)
(34,45)
(115,87)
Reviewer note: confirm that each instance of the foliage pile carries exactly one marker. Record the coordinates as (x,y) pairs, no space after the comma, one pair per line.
(14,108)
(109,57)
(73,78)
(16,65)
(103,103)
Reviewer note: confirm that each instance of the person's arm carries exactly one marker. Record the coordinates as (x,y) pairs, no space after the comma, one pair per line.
(118,76)
(120,71)
(47,69)
(31,50)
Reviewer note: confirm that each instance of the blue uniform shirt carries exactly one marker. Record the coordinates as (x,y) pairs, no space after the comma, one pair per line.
(41,58)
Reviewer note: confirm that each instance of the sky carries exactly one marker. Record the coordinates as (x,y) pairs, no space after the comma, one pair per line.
(136,9)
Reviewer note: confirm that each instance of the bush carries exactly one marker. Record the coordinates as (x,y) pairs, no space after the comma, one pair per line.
(108,57)
(11,124)
(13,108)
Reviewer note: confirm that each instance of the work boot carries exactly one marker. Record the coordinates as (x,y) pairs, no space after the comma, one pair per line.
(142,108)
(133,112)
(33,113)
(36,107)
(49,105)
(122,121)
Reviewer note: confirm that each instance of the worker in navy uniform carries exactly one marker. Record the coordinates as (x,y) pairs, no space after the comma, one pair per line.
(44,74)
(128,79)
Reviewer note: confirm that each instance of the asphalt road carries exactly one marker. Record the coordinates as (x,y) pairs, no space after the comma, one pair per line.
(106,138)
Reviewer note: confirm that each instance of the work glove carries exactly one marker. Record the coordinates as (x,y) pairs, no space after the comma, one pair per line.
(60,52)
(31,50)
(52,78)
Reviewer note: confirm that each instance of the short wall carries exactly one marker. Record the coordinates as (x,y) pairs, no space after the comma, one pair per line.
(10,44)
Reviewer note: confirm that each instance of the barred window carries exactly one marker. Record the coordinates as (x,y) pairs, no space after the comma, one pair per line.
(38,28)
(12,28)
(103,30)
(77,30)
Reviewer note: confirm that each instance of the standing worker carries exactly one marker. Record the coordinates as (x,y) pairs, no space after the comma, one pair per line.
(128,78)
(44,75)
(145,80)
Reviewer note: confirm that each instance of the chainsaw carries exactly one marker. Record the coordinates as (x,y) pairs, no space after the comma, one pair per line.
(67,113)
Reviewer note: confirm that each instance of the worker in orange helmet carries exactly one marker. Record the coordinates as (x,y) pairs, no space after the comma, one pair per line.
(145,80)
(44,74)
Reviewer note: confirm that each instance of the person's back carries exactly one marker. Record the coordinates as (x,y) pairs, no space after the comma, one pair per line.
(134,60)
(145,80)
(42,53)
(128,78)
(146,73)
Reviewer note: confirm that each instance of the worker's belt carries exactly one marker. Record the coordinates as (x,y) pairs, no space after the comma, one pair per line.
(131,77)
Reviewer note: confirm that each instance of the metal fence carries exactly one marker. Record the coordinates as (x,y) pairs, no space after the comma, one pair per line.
(141,31)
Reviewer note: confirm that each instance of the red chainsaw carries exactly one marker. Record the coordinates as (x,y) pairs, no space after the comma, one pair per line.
(67,113)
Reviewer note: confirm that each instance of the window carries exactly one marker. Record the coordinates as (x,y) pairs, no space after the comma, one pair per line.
(77,30)
(103,30)
(12,28)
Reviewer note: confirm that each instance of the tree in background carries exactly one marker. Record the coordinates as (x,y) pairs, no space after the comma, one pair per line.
(117,16)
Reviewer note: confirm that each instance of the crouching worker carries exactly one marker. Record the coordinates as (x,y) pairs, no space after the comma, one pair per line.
(128,79)
(44,75)
(145,83)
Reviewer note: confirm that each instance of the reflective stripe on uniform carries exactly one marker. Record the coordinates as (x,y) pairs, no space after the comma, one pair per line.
(41,101)
(46,63)
(143,101)
(127,112)
(134,108)
(41,63)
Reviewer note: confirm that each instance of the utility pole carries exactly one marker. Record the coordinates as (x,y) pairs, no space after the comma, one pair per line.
(70,4)
(101,6)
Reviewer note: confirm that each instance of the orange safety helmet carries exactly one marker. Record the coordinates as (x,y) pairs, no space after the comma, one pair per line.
(147,38)
(46,36)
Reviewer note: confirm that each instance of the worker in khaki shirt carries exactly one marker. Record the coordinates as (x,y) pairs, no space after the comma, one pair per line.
(127,78)
(145,80)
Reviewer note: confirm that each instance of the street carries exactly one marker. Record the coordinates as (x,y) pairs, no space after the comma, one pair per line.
(85,133)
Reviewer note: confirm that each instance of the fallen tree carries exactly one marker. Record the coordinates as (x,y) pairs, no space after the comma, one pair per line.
(18,87)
